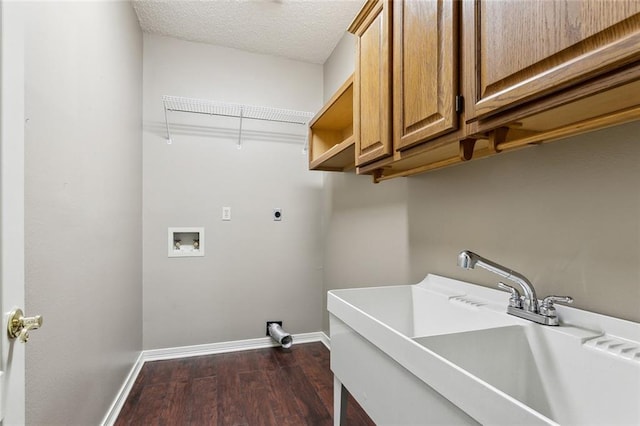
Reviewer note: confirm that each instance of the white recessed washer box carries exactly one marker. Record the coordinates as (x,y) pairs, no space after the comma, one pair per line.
(186,242)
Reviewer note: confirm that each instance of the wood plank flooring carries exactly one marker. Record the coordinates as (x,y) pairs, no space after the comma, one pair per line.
(271,386)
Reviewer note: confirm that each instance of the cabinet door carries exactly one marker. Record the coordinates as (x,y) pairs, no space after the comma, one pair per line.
(523,50)
(372,85)
(425,70)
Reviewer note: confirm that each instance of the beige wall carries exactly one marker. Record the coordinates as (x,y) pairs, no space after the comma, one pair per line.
(565,214)
(83,95)
(339,66)
(366,233)
(254,269)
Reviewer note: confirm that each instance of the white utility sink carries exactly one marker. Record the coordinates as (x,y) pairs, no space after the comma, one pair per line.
(411,309)
(550,370)
(455,340)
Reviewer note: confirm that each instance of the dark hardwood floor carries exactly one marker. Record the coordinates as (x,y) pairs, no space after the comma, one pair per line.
(272,386)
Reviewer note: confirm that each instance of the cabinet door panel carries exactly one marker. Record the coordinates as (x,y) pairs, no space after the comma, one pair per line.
(372,87)
(526,49)
(425,40)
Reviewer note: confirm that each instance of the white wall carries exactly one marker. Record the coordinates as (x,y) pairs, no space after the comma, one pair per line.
(83,96)
(254,269)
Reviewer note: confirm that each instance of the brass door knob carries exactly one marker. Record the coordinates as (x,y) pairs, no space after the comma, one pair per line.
(19,326)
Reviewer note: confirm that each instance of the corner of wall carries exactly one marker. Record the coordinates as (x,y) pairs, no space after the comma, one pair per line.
(339,66)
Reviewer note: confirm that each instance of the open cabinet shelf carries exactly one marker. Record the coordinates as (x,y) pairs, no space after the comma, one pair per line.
(331,140)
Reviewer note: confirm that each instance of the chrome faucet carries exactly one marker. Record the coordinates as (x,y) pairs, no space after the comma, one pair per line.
(525,306)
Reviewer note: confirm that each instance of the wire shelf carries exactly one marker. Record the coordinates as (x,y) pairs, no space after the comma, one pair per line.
(202,106)
(252,112)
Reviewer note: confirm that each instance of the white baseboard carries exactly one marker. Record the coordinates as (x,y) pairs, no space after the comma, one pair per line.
(199,350)
(224,347)
(326,340)
(121,397)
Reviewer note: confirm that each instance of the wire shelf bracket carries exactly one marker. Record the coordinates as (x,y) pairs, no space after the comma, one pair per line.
(240,111)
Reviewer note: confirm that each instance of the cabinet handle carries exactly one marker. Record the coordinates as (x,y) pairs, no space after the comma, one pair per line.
(459,104)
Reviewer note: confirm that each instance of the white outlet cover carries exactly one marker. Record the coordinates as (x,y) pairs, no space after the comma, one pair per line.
(226,213)
(277,214)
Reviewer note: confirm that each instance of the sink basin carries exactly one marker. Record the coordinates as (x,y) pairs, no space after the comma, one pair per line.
(551,371)
(456,339)
(416,310)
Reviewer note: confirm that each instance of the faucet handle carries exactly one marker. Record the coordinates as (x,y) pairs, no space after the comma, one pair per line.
(547,309)
(515,299)
(550,300)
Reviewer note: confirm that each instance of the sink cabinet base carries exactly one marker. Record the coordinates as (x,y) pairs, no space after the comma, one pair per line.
(388,392)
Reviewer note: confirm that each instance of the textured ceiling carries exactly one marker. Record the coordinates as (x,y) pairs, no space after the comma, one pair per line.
(306,30)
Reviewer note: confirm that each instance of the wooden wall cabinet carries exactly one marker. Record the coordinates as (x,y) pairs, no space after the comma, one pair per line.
(440,82)
(541,71)
(524,50)
(425,70)
(424,75)
(331,141)
(372,82)
(406,74)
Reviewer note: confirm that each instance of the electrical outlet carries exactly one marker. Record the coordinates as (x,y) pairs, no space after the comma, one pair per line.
(226,213)
(271,322)
(277,214)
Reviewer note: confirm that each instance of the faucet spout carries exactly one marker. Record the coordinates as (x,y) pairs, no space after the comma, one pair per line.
(469,260)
